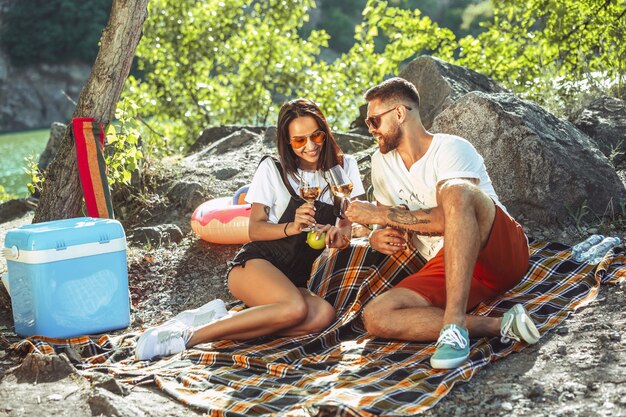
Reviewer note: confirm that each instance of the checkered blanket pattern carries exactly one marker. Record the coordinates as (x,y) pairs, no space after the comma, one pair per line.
(342,371)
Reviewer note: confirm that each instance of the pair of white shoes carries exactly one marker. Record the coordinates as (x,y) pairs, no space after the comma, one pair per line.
(172,336)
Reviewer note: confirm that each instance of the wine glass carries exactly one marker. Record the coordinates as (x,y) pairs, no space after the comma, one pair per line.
(310,189)
(340,184)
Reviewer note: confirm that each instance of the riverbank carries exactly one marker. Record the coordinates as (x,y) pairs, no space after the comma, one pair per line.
(15,147)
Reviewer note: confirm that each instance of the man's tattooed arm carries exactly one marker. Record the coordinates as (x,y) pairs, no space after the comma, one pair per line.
(427,222)
(404,216)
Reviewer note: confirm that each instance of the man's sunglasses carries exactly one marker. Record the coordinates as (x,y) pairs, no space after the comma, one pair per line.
(373,122)
(299,141)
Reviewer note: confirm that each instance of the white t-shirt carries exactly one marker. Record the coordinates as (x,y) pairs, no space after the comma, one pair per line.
(267,186)
(447,157)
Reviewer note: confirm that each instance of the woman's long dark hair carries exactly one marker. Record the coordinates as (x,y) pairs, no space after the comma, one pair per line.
(330,154)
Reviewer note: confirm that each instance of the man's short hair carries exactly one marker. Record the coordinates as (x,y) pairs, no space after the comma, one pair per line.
(396,89)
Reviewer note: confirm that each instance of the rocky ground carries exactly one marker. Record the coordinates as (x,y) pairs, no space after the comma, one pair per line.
(578,370)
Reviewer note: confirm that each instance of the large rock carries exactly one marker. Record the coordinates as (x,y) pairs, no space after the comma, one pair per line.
(223,166)
(439,84)
(37,95)
(542,168)
(233,141)
(57,131)
(604,120)
(352,143)
(13,209)
(213,134)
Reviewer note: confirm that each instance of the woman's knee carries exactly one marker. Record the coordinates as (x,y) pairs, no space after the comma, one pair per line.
(294,312)
(324,315)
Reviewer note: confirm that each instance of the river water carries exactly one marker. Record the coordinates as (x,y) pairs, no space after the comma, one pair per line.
(14,148)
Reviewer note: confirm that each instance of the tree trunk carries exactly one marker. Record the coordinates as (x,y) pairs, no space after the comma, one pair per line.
(62,194)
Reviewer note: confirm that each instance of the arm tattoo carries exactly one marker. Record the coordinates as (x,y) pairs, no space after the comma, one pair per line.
(266,209)
(405,217)
(407,229)
(430,234)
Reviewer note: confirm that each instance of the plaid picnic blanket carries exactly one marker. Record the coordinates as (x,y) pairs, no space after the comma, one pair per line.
(342,371)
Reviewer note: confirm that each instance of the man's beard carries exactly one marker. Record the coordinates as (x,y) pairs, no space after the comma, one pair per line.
(389,142)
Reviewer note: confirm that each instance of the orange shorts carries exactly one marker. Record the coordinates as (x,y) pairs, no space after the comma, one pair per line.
(500,266)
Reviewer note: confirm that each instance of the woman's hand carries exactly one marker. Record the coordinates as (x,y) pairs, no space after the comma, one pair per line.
(335,237)
(305,217)
(387,241)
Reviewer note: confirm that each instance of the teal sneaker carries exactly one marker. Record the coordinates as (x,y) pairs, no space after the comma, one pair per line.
(517,325)
(452,348)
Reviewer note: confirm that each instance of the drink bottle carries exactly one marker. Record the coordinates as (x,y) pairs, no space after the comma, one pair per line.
(584,246)
(595,254)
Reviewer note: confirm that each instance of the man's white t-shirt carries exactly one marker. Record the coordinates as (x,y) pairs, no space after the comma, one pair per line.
(267,186)
(447,157)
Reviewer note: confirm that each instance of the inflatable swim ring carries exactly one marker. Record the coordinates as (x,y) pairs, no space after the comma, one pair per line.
(240,195)
(220,221)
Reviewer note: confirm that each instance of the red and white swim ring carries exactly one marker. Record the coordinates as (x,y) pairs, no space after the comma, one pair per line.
(220,221)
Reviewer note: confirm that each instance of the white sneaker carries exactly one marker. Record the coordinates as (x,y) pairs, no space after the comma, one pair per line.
(517,325)
(211,311)
(164,340)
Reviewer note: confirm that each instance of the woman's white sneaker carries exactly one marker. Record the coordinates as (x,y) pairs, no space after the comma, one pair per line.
(211,311)
(164,340)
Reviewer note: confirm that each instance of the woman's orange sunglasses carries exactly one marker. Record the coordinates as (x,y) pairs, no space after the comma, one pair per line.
(299,141)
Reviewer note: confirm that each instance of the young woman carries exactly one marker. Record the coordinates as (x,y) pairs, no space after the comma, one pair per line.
(269,274)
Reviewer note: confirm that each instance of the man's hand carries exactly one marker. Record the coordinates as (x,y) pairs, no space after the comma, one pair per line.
(365,213)
(388,241)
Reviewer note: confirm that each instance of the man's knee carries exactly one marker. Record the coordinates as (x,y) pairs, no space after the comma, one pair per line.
(461,197)
(377,312)
(374,318)
(461,194)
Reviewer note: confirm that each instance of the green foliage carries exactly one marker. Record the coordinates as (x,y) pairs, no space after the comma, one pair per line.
(35,186)
(4,196)
(123,148)
(236,61)
(578,215)
(473,15)
(339,20)
(338,86)
(53,31)
(217,62)
(220,62)
(616,153)
(552,50)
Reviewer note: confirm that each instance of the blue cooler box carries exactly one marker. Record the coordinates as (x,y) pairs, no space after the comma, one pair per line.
(68,277)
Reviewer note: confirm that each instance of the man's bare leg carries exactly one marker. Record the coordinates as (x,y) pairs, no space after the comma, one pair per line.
(469,214)
(403,314)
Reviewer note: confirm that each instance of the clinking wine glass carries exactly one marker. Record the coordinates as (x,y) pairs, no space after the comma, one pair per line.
(310,189)
(340,184)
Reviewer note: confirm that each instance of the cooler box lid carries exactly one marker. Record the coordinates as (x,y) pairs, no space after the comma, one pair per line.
(64,239)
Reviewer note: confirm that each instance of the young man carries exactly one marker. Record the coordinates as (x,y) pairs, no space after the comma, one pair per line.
(433,191)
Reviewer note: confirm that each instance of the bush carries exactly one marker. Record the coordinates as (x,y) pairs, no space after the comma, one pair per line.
(53,31)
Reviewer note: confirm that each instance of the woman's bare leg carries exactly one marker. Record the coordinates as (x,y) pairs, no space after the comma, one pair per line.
(275,304)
